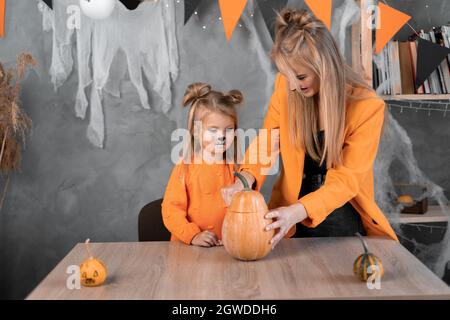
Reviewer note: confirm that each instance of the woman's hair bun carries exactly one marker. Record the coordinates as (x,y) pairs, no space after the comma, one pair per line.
(295,18)
(195,91)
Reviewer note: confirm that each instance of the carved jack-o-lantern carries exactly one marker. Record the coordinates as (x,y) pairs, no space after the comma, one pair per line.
(93,272)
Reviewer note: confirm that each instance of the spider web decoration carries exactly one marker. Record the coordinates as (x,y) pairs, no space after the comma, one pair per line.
(422,105)
(395,145)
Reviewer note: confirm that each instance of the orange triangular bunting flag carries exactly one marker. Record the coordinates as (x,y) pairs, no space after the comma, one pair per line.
(391,21)
(2,18)
(322,10)
(231,11)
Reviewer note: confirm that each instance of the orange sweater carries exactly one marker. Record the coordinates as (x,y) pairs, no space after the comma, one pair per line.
(353,181)
(193,201)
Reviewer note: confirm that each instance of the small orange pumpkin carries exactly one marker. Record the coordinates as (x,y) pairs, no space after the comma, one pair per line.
(93,272)
(405,199)
(367,263)
(243,231)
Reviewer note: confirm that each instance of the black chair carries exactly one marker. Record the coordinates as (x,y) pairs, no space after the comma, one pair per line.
(446,276)
(150,223)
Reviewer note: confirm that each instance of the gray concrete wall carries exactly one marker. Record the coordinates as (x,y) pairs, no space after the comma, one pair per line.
(68,190)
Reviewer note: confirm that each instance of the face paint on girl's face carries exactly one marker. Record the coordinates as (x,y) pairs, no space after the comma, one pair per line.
(218,134)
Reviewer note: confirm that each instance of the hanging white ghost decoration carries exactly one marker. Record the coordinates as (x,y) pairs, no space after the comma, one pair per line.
(145,39)
(97,9)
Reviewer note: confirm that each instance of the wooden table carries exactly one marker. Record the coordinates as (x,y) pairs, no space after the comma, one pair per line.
(312,268)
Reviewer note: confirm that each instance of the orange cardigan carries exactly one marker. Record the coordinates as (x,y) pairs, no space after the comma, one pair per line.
(353,181)
(193,201)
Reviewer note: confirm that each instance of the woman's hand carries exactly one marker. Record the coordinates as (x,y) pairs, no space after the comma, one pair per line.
(206,239)
(285,218)
(229,191)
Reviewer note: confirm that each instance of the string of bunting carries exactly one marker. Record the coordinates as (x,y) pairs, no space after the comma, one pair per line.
(429,54)
(231,12)
(389,22)
(130,4)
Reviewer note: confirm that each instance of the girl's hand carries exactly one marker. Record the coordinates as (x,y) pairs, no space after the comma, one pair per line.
(285,218)
(206,239)
(229,191)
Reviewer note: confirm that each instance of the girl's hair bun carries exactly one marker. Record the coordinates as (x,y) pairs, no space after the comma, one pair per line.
(195,91)
(236,96)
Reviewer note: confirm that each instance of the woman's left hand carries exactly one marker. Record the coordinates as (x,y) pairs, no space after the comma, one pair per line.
(285,218)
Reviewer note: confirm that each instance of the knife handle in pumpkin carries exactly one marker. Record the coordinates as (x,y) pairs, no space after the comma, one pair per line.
(243,180)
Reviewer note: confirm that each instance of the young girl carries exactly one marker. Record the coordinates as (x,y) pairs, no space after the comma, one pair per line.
(193,209)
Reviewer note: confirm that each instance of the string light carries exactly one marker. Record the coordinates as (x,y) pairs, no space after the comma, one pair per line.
(216,17)
(429,106)
(252,5)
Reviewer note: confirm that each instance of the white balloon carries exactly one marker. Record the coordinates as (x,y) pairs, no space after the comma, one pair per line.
(97,9)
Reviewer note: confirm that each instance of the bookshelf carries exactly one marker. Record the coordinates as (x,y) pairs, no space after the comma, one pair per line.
(362,62)
(362,57)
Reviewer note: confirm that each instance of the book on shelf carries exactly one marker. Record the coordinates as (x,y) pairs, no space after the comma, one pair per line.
(396,71)
(413,52)
(406,68)
(444,67)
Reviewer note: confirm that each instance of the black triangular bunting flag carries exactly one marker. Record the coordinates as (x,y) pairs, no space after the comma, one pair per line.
(268,9)
(429,57)
(189,8)
(49,3)
(131,4)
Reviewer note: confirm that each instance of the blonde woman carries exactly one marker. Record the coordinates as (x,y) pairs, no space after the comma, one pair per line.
(329,123)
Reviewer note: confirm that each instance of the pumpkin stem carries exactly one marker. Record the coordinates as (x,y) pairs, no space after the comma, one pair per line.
(243,180)
(87,248)
(363,242)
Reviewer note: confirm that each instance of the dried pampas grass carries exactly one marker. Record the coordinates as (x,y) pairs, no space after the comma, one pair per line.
(14,123)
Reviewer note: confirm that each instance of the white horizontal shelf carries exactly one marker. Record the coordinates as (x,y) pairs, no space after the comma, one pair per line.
(434,214)
(417,97)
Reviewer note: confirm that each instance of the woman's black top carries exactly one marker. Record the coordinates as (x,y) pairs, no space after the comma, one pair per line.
(343,221)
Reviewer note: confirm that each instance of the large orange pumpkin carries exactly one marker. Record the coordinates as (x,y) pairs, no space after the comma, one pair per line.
(243,231)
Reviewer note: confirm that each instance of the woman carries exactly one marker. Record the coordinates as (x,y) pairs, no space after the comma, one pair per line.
(328,122)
